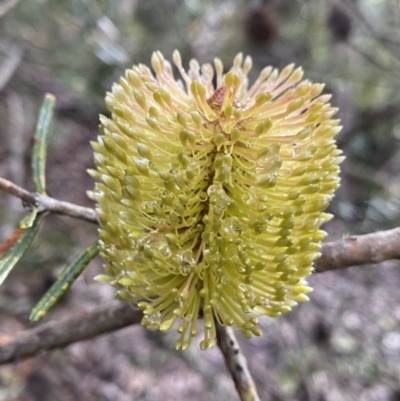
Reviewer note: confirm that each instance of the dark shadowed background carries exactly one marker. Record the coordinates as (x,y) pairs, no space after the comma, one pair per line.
(344,345)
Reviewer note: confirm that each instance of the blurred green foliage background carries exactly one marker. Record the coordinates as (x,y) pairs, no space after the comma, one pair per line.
(344,344)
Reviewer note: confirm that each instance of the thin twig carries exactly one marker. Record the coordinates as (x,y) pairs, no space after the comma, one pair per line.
(60,333)
(237,364)
(351,251)
(45,203)
(17,191)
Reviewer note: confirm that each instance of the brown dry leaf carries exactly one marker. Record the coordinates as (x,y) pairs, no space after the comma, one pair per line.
(10,241)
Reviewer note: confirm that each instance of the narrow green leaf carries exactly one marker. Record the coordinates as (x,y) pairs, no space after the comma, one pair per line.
(28,220)
(19,247)
(64,281)
(40,143)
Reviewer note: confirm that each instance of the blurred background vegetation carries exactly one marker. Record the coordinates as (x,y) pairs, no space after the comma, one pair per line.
(344,345)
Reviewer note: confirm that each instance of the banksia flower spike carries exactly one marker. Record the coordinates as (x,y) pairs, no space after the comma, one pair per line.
(210,198)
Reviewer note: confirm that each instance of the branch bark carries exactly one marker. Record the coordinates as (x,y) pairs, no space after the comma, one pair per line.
(237,364)
(351,251)
(359,250)
(45,203)
(60,333)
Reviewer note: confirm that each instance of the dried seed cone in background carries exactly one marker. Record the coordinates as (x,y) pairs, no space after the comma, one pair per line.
(210,199)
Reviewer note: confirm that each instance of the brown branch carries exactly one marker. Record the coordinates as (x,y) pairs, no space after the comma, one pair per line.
(17,191)
(45,203)
(60,333)
(359,250)
(236,363)
(351,251)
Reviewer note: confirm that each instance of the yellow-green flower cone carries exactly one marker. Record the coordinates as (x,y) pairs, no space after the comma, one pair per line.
(210,198)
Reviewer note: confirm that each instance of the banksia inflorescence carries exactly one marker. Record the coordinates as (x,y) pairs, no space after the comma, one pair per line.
(210,198)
